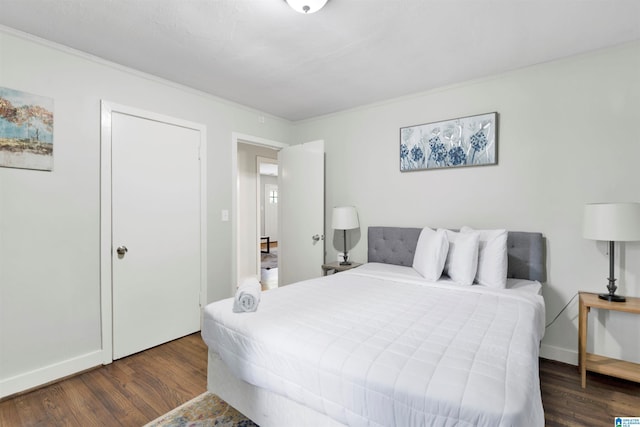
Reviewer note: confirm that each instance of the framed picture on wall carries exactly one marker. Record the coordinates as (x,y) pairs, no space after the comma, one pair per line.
(26,130)
(466,141)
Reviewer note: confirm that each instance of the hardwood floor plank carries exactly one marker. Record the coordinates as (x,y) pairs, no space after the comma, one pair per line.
(33,409)
(80,396)
(9,415)
(57,408)
(121,401)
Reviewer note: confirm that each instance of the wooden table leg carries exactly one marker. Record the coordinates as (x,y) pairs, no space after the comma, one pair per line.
(582,341)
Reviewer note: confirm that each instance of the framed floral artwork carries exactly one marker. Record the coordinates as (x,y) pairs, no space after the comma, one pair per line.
(26,130)
(466,141)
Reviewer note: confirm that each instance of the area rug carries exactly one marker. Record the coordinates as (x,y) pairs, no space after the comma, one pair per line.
(270,260)
(206,410)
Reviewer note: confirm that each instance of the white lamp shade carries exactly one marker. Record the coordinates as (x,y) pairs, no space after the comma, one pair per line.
(306,6)
(618,222)
(344,218)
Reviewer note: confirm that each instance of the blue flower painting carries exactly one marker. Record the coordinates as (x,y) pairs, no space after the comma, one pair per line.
(467,141)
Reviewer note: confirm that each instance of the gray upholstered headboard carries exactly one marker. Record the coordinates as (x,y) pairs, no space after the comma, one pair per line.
(396,245)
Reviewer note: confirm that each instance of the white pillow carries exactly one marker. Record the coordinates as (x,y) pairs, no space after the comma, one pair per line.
(431,253)
(492,257)
(462,259)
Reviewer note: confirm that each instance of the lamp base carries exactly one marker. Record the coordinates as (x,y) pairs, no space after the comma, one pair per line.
(612,297)
(345,256)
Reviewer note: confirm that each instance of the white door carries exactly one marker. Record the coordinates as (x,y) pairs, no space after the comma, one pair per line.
(301,212)
(271,212)
(156,224)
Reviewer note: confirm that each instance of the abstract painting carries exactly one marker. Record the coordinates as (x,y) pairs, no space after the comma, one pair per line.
(466,141)
(26,130)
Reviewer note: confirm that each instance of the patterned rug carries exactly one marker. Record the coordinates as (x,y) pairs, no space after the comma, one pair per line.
(270,260)
(206,410)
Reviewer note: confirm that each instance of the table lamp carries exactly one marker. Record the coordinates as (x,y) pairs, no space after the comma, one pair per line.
(612,222)
(345,218)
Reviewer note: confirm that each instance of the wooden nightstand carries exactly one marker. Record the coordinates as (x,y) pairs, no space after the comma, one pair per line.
(601,364)
(336,267)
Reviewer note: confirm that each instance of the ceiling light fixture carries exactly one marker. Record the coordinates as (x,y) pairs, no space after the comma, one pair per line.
(306,6)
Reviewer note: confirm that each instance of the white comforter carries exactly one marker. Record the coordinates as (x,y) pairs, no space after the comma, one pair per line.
(375,346)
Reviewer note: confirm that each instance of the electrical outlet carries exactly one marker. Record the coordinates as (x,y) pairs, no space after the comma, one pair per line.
(225,215)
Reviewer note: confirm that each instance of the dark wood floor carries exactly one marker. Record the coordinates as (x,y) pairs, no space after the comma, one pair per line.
(137,389)
(129,392)
(566,403)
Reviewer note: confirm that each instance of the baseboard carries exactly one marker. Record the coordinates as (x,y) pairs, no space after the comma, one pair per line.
(559,354)
(48,374)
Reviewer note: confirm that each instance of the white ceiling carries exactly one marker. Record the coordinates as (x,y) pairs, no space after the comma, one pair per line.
(262,54)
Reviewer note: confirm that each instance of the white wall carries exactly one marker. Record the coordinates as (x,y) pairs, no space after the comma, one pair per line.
(568,135)
(49,221)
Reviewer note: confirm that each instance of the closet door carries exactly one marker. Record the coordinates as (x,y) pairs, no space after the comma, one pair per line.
(156,232)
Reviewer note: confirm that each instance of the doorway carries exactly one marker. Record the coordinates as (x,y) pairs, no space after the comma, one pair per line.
(250,209)
(300,211)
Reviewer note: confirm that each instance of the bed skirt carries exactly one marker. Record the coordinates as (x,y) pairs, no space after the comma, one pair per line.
(265,408)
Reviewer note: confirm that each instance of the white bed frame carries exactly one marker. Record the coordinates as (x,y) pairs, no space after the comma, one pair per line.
(268,409)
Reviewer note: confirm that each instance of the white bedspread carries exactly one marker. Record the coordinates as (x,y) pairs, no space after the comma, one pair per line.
(377,346)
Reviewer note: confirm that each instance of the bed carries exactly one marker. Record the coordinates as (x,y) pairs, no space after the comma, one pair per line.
(380,346)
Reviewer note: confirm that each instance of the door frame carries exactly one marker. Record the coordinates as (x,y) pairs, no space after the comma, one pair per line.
(237,137)
(106,285)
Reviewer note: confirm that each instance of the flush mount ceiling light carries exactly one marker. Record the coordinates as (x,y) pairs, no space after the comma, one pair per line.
(306,6)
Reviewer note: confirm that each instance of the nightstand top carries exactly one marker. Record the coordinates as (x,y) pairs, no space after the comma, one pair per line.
(336,264)
(631,305)
(337,267)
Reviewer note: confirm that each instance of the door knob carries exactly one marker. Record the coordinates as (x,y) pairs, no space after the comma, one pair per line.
(122,250)
(317,237)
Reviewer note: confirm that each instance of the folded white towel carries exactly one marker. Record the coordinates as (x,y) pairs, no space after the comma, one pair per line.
(247,296)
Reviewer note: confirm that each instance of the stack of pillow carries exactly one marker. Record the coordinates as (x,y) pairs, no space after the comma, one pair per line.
(468,256)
